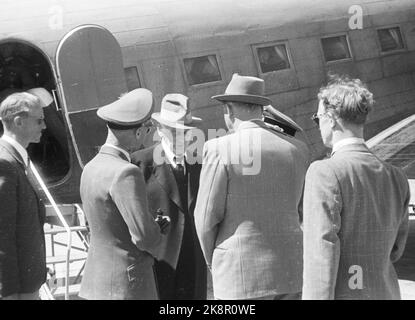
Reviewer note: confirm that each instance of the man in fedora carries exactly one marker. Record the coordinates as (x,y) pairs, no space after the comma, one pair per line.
(125,237)
(247,220)
(172,180)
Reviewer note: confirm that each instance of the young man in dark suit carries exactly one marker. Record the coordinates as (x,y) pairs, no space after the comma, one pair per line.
(172,182)
(22,243)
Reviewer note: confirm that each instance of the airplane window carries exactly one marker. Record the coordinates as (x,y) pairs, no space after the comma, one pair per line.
(202,69)
(132,78)
(390,39)
(273,58)
(335,48)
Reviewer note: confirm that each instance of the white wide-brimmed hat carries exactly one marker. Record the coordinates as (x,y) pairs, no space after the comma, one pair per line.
(175,112)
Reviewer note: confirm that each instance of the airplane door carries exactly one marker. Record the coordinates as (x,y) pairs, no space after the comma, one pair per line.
(90,70)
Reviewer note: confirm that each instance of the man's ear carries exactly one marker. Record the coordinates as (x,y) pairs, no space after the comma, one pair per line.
(18,121)
(229,110)
(332,119)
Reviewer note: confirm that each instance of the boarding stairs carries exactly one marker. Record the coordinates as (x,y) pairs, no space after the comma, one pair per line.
(67,244)
(66,255)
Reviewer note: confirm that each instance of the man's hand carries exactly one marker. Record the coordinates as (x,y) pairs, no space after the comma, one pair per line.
(164,223)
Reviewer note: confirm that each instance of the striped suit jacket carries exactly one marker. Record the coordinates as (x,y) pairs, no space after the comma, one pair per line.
(247,212)
(355,226)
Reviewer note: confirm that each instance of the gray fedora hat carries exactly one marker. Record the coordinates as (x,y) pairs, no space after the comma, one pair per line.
(244,89)
(175,112)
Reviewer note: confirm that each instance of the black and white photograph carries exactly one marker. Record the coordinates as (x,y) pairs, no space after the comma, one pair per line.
(208,153)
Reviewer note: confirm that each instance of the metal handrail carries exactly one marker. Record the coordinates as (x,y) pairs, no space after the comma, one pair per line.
(62,220)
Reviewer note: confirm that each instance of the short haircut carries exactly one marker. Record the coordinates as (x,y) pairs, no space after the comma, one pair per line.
(17,104)
(349,99)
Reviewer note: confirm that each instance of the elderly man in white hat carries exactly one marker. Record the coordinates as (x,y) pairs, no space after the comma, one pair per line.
(125,237)
(172,185)
(248,221)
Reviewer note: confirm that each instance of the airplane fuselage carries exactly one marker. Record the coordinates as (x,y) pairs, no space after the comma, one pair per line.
(194,47)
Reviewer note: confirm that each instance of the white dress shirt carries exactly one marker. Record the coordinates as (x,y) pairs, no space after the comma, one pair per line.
(124,152)
(345,142)
(22,151)
(172,158)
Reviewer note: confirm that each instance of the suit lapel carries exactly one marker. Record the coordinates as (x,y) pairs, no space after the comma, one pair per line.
(165,177)
(29,176)
(167,181)
(193,176)
(14,153)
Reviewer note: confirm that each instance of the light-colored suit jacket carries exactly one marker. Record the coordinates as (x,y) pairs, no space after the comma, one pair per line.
(247,212)
(124,236)
(355,226)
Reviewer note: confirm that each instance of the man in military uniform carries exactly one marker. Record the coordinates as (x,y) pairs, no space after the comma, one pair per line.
(125,237)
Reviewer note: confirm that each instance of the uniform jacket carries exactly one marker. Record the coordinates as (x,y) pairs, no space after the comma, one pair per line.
(247,211)
(163,193)
(22,215)
(355,226)
(124,236)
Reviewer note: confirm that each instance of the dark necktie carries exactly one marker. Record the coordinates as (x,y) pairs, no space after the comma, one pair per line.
(179,168)
(181,179)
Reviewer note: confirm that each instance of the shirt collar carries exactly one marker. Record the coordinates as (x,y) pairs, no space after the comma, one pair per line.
(248,123)
(22,151)
(171,157)
(124,152)
(345,142)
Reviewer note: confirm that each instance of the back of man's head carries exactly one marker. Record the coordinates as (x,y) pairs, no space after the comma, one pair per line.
(349,99)
(246,109)
(17,104)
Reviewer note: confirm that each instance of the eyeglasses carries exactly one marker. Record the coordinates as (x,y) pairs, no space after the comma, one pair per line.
(316,117)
